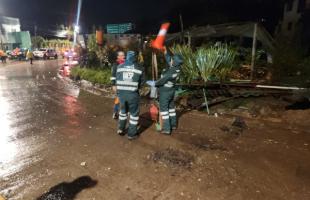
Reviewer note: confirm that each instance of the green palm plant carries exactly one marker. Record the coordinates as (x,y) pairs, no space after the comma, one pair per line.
(189,70)
(207,60)
(228,56)
(215,61)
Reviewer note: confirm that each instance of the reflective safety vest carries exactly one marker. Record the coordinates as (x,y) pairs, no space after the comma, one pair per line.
(168,77)
(129,77)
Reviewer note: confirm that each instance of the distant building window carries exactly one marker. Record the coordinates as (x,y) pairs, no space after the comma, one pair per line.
(289,5)
(290,26)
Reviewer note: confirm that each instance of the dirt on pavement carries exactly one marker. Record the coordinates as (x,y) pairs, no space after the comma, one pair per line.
(232,156)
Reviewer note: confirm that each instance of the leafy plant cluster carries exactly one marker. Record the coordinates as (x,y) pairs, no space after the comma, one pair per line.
(40,42)
(93,75)
(206,63)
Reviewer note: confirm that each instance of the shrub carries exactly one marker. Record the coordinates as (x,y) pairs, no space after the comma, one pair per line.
(190,70)
(206,63)
(92,75)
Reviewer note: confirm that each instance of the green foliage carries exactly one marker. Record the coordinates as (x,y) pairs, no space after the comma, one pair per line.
(97,55)
(207,62)
(40,42)
(92,75)
(37,41)
(92,43)
(225,57)
(190,70)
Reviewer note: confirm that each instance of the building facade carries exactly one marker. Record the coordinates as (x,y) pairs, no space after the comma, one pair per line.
(11,36)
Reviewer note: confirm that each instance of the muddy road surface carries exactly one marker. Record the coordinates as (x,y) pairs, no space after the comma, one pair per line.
(58,142)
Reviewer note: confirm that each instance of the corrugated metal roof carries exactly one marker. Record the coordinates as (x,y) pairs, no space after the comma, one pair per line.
(244,29)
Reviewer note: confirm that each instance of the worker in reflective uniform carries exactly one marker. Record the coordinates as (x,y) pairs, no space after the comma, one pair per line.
(129,78)
(30,56)
(166,85)
(119,60)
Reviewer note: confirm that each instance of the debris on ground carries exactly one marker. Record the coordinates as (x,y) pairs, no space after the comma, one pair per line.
(239,123)
(173,158)
(237,127)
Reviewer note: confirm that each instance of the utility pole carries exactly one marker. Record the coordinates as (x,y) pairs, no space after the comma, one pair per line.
(35,30)
(254,50)
(182,28)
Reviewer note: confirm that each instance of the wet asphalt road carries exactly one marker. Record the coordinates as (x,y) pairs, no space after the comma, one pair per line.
(30,99)
(39,115)
(60,143)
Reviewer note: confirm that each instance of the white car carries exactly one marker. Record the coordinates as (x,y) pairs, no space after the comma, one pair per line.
(45,54)
(39,53)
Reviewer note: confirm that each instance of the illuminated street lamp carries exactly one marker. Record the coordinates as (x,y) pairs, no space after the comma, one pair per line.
(77,27)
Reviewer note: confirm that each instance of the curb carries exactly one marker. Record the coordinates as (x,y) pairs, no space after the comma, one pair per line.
(87,86)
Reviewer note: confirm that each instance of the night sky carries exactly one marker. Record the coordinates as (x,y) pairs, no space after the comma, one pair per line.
(147,15)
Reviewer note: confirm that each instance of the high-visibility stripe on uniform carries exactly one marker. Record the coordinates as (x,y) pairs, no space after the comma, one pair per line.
(127,88)
(165,117)
(164,113)
(122,118)
(174,75)
(127,83)
(133,122)
(172,110)
(129,70)
(134,118)
(168,85)
(123,114)
(172,114)
(113,78)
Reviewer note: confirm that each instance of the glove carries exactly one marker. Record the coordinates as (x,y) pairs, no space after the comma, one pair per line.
(151,83)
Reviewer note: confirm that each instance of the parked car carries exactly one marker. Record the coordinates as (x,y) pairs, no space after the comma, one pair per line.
(39,53)
(17,54)
(50,53)
(45,53)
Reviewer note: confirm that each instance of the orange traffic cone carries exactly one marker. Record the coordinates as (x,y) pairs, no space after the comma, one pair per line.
(160,40)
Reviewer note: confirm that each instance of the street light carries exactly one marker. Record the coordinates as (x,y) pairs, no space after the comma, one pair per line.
(77,29)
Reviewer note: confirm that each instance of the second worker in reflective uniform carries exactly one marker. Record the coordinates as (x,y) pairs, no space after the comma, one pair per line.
(166,85)
(129,78)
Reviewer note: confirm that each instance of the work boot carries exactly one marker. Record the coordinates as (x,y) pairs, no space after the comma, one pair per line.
(121,132)
(166,132)
(132,137)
